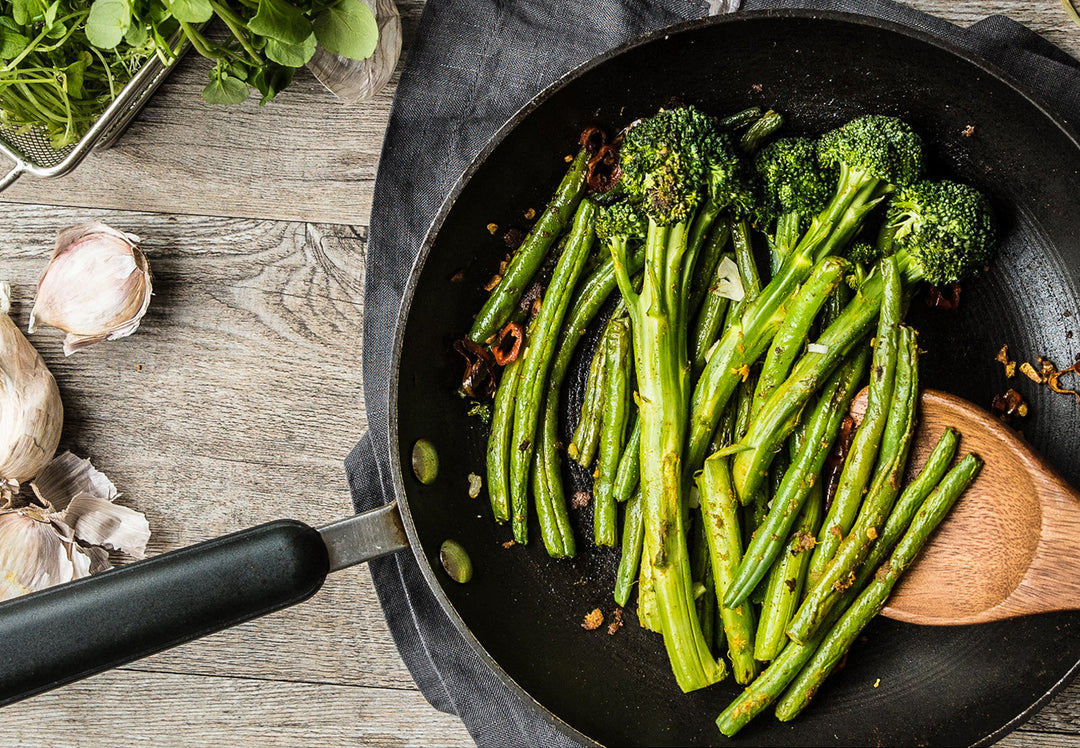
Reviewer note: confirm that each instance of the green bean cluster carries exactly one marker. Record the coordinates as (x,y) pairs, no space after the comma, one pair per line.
(754,531)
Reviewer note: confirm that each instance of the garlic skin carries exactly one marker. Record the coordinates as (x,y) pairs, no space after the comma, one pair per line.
(31,413)
(96,287)
(354,81)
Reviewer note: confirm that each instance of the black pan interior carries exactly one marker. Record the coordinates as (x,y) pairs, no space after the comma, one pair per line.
(902,684)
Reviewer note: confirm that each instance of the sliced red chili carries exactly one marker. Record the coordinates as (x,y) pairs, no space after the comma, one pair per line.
(603,171)
(478,382)
(508,343)
(593,139)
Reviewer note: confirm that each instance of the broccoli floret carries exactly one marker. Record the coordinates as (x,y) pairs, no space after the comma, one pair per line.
(663,164)
(792,189)
(791,180)
(942,231)
(620,222)
(678,159)
(863,253)
(877,146)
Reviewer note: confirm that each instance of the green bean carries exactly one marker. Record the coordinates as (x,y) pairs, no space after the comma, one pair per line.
(821,429)
(718,511)
(825,592)
(612,430)
(529,257)
(786,580)
(777,416)
(740,119)
(556,530)
(862,455)
(632,536)
(869,603)
(914,494)
(537,359)
(587,304)
(791,336)
(709,320)
(586,436)
(708,261)
(704,589)
(628,474)
(498,446)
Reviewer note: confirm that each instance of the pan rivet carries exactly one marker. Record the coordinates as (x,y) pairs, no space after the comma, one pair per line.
(425,461)
(456,561)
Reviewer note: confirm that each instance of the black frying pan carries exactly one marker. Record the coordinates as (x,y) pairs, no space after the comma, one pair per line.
(522,611)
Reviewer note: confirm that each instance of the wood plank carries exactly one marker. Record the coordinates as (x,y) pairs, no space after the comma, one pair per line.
(134,708)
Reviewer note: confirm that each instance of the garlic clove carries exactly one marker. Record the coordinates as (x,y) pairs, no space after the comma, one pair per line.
(354,81)
(31,413)
(96,287)
(35,554)
(100,522)
(68,475)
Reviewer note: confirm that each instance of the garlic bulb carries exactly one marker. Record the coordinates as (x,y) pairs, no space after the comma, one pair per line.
(96,286)
(69,533)
(359,80)
(35,553)
(31,413)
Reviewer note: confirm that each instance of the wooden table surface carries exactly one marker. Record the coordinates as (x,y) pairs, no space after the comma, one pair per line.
(240,395)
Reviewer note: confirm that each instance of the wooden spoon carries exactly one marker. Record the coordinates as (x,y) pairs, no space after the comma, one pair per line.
(1011,544)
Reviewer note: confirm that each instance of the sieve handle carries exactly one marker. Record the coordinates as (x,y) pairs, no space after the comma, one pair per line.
(11,176)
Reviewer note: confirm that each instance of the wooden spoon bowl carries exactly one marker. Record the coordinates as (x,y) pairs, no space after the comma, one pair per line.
(1011,544)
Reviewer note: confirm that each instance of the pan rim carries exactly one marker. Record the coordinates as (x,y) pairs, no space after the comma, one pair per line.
(400,495)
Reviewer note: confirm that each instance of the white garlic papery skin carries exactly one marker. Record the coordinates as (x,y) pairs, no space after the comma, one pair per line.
(359,80)
(31,413)
(35,554)
(96,286)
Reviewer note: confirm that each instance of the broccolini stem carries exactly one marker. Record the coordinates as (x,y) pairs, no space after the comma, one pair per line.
(720,516)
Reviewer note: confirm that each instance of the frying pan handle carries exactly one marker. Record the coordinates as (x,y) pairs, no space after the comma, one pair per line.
(68,632)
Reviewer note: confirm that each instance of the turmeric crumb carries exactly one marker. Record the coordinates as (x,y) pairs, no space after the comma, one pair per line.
(492,228)
(743,371)
(530,214)
(509,544)
(568,158)
(593,620)
(968,131)
(1029,371)
(1003,358)
(842,584)
(871,533)
(616,622)
(877,683)
(494,281)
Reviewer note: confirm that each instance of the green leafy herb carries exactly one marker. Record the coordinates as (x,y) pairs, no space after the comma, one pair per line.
(347,28)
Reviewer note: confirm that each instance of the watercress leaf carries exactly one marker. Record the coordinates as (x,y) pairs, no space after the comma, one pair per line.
(291,55)
(347,28)
(50,14)
(271,79)
(191,11)
(12,43)
(22,11)
(107,22)
(278,19)
(224,90)
(56,30)
(73,79)
(136,35)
